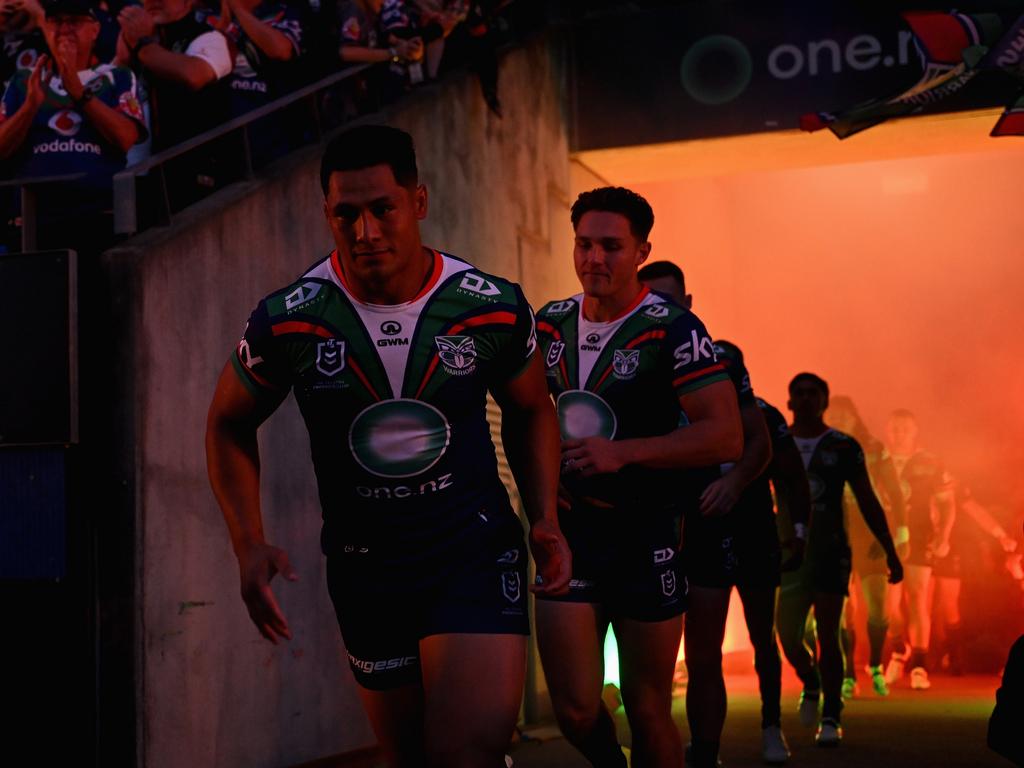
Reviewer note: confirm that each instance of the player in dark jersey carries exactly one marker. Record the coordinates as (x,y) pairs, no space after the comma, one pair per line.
(628,369)
(925,483)
(390,349)
(832,460)
(869,567)
(729,541)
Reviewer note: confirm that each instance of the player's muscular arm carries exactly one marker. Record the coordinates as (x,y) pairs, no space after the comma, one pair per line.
(233,465)
(890,483)
(721,495)
(790,480)
(874,516)
(529,432)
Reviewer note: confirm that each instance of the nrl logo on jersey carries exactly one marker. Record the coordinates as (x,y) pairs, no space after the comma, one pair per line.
(657,311)
(554,353)
(304,294)
(457,353)
(559,308)
(330,357)
(668,583)
(511,586)
(625,362)
(476,284)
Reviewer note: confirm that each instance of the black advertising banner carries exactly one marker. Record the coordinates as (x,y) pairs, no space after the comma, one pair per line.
(723,68)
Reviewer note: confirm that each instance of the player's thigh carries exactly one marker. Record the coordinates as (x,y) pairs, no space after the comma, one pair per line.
(648,651)
(947,598)
(472,689)
(917,579)
(570,638)
(759,613)
(705,621)
(828,613)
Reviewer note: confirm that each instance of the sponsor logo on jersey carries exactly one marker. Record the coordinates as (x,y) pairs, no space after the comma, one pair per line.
(593,343)
(625,363)
(398,438)
(829,458)
(583,414)
(457,353)
(554,353)
(66,122)
(478,285)
(369,667)
(390,328)
(663,555)
(510,557)
(559,308)
(692,351)
(668,583)
(245,354)
(403,342)
(657,311)
(511,586)
(27,59)
(406,491)
(304,294)
(330,357)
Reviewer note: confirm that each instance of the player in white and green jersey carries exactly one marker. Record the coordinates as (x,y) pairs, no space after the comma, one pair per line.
(627,367)
(390,349)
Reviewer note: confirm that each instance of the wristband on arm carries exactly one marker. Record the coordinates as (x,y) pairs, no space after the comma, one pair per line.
(902,535)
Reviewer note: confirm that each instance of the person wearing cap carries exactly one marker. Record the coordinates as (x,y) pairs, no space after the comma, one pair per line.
(69,113)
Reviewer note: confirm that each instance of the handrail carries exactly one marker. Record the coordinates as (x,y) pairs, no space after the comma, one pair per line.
(125,214)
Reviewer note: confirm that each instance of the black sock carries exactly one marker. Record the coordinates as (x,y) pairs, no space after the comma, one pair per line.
(876,641)
(918,658)
(848,642)
(703,754)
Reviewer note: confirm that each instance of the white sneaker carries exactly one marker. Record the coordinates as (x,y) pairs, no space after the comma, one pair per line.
(897,664)
(830,733)
(850,687)
(878,680)
(774,749)
(919,679)
(808,708)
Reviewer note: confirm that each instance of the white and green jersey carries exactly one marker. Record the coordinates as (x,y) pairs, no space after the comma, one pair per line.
(394,398)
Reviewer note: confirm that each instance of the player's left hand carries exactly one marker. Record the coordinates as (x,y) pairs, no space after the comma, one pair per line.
(895,568)
(591,456)
(941,549)
(719,497)
(552,557)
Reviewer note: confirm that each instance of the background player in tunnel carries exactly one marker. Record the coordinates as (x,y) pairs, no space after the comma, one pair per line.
(425,559)
(625,365)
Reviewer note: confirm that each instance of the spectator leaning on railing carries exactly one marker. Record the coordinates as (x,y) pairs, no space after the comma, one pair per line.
(70,114)
(364,37)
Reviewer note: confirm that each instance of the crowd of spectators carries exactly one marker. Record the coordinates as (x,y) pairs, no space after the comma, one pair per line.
(93,86)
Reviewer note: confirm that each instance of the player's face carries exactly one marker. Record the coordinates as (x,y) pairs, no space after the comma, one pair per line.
(841,418)
(901,432)
(375,222)
(607,254)
(807,401)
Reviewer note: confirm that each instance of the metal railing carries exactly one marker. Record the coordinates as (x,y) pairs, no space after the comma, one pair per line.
(126,221)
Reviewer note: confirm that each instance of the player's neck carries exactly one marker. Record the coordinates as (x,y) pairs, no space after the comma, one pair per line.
(809,428)
(400,288)
(605,309)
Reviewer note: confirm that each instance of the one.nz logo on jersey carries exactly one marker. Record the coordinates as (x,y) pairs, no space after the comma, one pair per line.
(625,363)
(457,353)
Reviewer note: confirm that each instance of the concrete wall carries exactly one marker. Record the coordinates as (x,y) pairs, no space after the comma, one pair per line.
(212,692)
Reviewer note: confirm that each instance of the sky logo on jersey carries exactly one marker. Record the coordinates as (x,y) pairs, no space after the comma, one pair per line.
(511,586)
(66,122)
(457,353)
(330,357)
(657,311)
(583,414)
(304,294)
(554,353)
(625,363)
(559,308)
(399,438)
(692,351)
(476,284)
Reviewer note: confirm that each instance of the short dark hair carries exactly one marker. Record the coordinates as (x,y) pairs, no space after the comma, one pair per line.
(814,378)
(616,200)
(366,146)
(903,413)
(727,349)
(656,269)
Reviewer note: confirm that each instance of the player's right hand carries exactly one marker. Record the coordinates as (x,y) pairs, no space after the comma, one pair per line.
(895,568)
(553,558)
(257,565)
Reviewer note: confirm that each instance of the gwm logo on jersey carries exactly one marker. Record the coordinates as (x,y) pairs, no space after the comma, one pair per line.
(657,311)
(391,329)
(399,438)
(583,414)
(330,357)
(693,350)
(457,353)
(479,286)
(554,353)
(304,294)
(625,362)
(593,342)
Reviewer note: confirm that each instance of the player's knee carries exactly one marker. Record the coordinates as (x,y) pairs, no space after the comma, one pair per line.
(576,718)
(647,711)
